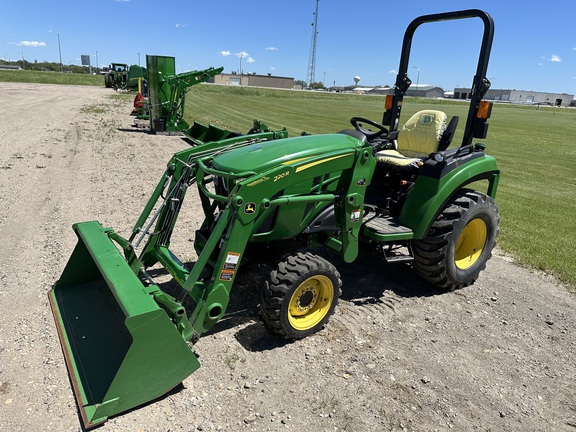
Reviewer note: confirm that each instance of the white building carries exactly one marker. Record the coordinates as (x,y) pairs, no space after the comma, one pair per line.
(519,96)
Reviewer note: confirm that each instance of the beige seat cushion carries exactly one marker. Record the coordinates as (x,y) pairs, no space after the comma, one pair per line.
(418,138)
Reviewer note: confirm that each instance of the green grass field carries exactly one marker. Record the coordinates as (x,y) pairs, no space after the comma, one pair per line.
(29,76)
(534,149)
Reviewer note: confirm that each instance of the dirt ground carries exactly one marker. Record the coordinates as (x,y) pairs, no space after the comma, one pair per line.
(396,356)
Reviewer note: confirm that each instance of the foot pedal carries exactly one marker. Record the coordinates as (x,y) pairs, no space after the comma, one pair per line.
(398,254)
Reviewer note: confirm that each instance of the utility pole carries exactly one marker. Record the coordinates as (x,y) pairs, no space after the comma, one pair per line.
(312,59)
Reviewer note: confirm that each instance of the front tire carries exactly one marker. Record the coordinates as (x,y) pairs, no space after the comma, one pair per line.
(459,242)
(300,296)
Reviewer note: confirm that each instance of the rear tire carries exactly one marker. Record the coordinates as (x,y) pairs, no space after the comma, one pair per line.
(300,296)
(459,242)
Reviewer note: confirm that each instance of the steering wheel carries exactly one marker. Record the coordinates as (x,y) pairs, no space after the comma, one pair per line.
(357,123)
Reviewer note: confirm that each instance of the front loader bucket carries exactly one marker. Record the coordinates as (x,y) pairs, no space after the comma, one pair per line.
(121,348)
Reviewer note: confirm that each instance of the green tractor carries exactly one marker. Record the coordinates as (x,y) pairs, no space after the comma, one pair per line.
(403,191)
(116,76)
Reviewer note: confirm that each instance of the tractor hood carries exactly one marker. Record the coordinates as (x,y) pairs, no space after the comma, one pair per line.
(263,156)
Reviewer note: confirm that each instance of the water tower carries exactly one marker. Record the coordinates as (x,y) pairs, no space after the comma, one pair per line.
(356,80)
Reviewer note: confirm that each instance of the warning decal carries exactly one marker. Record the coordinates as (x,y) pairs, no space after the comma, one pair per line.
(231,261)
(226,275)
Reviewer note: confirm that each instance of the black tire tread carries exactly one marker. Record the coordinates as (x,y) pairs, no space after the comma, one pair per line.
(430,253)
(282,279)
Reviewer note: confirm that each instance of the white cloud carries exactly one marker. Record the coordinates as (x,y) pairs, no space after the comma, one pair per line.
(555,59)
(271,49)
(574,48)
(31,44)
(392,72)
(272,68)
(225,53)
(181,25)
(244,54)
(122,1)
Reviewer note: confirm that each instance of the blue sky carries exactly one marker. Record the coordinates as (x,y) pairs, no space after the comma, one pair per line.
(534,44)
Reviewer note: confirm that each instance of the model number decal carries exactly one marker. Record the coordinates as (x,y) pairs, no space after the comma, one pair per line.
(281,176)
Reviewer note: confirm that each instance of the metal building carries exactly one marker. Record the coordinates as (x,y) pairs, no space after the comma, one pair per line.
(425,90)
(254,80)
(519,96)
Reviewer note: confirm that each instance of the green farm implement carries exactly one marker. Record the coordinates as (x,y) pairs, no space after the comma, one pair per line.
(401,191)
(167,92)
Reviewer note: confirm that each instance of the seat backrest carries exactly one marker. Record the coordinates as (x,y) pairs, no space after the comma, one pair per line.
(421,134)
(448,133)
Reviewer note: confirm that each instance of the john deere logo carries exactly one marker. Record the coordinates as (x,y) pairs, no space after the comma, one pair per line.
(250,208)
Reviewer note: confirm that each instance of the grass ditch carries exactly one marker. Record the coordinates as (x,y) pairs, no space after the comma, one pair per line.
(39,77)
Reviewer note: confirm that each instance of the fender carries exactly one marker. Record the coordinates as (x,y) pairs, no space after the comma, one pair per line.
(437,184)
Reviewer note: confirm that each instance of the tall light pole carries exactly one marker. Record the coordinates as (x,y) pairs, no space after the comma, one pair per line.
(138,59)
(60,52)
(241,56)
(96,59)
(417,77)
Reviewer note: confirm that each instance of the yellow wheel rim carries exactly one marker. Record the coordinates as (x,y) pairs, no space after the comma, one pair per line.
(311,302)
(471,243)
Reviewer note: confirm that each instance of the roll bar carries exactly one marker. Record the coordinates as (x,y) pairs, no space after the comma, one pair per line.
(480,84)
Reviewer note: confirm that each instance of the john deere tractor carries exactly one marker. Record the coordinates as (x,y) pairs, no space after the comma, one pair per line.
(402,190)
(117,76)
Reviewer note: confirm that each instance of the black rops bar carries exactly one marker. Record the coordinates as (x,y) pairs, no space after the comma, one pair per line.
(480,84)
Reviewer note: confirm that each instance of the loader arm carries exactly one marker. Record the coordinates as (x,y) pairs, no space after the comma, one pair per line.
(173,103)
(237,204)
(252,201)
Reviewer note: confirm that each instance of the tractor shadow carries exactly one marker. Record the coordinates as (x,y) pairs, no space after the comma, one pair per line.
(369,276)
(367,280)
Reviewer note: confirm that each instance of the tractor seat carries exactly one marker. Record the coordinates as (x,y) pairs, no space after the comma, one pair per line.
(424,133)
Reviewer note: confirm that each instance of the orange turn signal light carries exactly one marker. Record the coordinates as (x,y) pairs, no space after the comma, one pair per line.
(484,110)
(389,102)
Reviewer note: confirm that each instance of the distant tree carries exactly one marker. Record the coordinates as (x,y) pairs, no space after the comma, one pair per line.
(300,83)
(318,85)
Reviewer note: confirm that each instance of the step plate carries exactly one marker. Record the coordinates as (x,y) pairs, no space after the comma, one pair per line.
(386,225)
